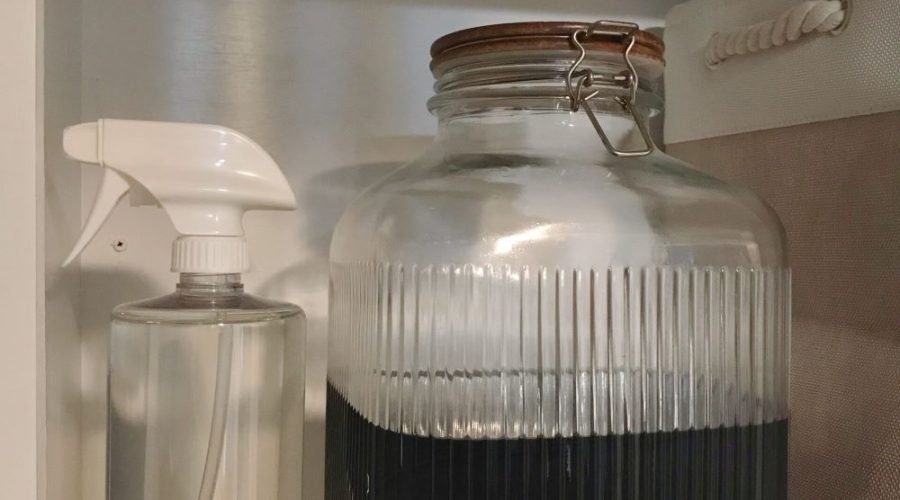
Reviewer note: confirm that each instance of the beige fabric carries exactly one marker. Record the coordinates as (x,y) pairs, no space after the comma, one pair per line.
(836,186)
(818,78)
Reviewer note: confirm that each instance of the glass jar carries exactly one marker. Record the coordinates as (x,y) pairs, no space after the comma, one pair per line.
(545,305)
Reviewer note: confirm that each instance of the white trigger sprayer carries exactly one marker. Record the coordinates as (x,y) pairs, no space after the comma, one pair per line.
(205,177)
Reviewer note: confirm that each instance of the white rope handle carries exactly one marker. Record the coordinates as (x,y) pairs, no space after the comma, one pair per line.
(814,16)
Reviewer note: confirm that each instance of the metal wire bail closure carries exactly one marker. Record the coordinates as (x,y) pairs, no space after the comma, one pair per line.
(579,80)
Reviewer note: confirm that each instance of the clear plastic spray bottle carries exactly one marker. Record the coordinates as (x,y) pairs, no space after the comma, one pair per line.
(206,384)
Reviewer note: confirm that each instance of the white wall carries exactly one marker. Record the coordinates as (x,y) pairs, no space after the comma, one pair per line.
(21,304)
(334,89)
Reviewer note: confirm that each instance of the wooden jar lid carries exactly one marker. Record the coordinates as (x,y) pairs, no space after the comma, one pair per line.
(537,36)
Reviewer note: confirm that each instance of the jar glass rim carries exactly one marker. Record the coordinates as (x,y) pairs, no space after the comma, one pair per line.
(537,80)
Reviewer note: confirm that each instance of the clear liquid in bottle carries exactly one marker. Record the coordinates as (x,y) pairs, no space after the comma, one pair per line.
(206,396)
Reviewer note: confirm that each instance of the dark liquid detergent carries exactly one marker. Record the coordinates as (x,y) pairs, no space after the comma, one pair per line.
(368,462)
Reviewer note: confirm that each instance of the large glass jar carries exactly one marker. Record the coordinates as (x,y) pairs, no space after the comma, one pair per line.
(531,310)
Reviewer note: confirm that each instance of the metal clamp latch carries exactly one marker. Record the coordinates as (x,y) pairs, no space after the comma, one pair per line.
(578,80)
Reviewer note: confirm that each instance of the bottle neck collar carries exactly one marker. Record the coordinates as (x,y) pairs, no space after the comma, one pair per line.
(207,285)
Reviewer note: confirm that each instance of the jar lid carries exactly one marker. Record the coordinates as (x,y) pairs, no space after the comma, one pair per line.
(539,36)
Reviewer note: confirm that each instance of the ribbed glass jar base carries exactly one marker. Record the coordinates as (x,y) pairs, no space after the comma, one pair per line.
(367,461)
(671,378)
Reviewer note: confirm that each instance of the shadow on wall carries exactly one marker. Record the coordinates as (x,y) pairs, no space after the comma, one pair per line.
(322,200)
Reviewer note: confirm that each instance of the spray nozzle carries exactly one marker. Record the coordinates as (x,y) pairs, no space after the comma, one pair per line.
(204,176)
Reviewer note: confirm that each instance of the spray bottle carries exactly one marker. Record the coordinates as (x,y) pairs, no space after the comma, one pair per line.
(205,384)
